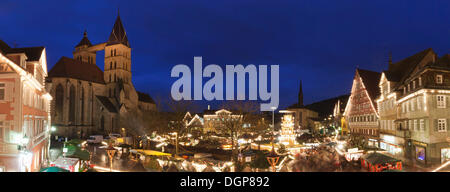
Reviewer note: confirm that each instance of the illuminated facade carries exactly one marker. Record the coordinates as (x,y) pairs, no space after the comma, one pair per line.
(89,100)
(414,108)
(287,132)
(24,108)
(361,110)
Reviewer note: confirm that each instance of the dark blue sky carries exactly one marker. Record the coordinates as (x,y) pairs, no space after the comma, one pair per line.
(320,42)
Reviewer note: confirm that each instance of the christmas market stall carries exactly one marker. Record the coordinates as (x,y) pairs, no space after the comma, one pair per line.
(378,162)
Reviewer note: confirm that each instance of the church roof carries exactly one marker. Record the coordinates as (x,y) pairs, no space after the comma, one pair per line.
(107,103)
(144,97)
(84,41)
(71,68)
(118,34)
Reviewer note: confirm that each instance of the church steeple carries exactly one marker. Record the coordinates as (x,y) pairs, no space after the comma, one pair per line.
(84,41)
(300,95)
(118,34)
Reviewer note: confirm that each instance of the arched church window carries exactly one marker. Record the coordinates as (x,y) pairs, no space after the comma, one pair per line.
(59,102)
(82,105)
(72,104)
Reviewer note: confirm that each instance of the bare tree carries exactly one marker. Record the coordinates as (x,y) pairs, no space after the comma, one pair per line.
(243,118)
(174,117)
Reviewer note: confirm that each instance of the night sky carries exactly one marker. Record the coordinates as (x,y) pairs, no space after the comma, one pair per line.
(319,42)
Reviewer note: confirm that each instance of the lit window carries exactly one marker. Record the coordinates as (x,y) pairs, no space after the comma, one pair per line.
(442,125)
(439,79)
(440,101)
(2,91)
(415,124)
(422,125)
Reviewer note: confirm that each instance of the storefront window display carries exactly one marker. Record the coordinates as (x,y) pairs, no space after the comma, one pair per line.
(420,153)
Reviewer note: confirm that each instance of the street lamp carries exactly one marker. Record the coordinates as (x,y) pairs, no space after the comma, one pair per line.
(110,151)
(273,158)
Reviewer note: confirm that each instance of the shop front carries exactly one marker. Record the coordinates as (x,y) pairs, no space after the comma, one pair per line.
(420,151)
(393,145)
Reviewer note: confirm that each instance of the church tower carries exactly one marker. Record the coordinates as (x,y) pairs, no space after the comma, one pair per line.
(117,68)
(300,95)
(82,52)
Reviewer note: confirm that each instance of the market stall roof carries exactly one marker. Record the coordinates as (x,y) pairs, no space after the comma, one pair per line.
(150,152)
(53,169)
(379,158)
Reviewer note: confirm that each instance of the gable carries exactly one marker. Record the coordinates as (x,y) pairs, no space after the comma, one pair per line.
(364,92)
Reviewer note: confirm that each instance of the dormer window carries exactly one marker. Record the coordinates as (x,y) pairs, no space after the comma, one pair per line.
(439,79)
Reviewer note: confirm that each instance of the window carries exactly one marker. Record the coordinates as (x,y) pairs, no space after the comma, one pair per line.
(2,91)
(415,125)
(440,101)
(419,106)
(442,125)
(1,131)
(420,81)
(422,125)
(410,125)
(412,104)
(414,85)
(439,79)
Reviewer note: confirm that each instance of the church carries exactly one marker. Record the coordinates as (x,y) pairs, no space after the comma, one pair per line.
(87,100)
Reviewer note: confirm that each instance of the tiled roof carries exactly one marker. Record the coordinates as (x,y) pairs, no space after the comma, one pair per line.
(32,53)
(144,97)
(400,70)
(443,62)
(118,34)
(107,103)
(370,79)
(71,68)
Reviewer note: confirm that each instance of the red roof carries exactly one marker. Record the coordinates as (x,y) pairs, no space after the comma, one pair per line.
(71,68)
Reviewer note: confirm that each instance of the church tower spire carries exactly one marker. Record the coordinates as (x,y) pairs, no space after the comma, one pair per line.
(300,95)
(82,52)
(118,34)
